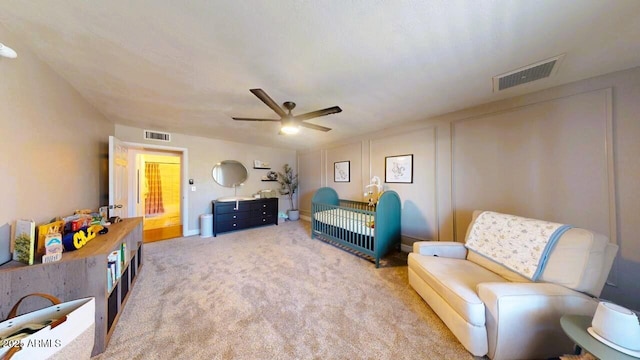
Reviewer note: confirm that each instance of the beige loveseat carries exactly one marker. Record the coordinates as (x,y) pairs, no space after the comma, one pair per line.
(497,312)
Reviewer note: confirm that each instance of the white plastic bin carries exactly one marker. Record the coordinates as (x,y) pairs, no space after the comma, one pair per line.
(206,225)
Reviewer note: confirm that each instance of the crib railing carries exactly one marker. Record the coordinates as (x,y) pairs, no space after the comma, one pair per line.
(357,205)
(344,230)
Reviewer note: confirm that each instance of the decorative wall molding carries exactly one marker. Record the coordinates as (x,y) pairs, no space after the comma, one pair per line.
(607,140)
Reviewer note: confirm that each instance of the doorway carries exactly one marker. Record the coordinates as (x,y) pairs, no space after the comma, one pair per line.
(159,184)
(125,185)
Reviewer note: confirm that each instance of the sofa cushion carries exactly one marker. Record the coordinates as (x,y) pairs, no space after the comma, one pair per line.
(455,280)
(580,250)
(577,249)
(493,266)
(583,252)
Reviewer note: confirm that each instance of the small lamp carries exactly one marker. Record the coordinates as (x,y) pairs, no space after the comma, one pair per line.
(616,327)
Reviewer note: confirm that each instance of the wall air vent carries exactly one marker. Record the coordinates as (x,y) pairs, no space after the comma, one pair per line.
(157,135)
(537,71)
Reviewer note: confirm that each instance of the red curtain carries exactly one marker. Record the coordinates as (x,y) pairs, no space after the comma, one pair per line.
(153,200)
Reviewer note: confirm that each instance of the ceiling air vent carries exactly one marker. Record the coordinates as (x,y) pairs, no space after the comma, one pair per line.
(157,136)
(537,71)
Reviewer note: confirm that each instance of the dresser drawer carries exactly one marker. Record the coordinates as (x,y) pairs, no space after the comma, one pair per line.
(262,220)
(223,226)
(230,207)
(233,216)
(269,206)
(262,212)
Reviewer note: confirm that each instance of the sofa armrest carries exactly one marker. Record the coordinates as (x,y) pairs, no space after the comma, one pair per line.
(448,249)
(522,316)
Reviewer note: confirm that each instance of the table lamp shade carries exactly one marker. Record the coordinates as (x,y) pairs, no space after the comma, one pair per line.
(617,325)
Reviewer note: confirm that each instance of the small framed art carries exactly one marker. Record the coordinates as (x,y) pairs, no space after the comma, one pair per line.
(398,169)
(341,171)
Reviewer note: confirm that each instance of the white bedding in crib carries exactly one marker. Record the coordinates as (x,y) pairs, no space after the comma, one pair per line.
(349,220)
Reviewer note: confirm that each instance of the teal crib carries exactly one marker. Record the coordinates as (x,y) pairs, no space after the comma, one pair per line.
(370,230)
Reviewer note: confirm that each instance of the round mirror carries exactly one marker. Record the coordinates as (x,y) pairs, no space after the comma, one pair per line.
(229,173)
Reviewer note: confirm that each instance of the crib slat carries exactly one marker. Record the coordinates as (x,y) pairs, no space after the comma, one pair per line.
(359,217)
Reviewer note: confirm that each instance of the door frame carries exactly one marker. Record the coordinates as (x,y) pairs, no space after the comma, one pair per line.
(184,171)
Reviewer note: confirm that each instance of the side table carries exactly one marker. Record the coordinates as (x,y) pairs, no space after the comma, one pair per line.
(575,326)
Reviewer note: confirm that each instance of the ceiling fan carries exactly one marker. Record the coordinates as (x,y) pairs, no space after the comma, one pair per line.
(290,124)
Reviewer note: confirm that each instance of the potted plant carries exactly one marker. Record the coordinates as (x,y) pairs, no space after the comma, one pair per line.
(288,185)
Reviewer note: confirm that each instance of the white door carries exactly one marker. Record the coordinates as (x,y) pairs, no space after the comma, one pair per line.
(118,178)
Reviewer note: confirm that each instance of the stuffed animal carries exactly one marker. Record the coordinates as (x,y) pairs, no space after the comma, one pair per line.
(75,240)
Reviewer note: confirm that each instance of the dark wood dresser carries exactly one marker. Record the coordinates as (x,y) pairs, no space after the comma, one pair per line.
(247,214)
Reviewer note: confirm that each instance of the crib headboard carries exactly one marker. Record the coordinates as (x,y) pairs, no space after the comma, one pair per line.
(388,218)
(326,195)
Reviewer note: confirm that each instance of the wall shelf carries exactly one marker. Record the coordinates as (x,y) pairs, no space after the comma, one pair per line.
(262,168)
(269,180)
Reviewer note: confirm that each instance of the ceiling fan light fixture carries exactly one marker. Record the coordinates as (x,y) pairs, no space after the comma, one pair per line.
(7,52)
(290,129)
(289,125)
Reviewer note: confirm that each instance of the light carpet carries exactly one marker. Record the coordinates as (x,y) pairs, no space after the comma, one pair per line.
(274,293)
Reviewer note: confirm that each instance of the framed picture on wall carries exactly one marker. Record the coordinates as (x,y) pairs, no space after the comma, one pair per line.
(341,171)
(398,169)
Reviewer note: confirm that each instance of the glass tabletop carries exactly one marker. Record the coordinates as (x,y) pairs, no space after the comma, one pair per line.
(575,326)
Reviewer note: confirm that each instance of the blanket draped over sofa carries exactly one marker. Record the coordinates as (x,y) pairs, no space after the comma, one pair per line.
(518,243)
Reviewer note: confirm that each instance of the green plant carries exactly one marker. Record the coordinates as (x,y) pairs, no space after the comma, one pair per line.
(288,183)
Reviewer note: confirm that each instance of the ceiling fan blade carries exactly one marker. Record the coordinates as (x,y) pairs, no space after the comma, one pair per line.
(318,113)
(252,119)
(314,126)
(269,101)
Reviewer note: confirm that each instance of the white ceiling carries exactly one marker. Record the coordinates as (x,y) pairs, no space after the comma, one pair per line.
(187,67)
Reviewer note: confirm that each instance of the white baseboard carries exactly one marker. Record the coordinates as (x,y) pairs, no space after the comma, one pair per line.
(406,248)
(191,232)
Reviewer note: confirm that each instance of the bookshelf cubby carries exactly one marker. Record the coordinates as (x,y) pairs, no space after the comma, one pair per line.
(81,273)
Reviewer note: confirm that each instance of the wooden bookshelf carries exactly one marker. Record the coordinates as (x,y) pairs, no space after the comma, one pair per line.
(81,273)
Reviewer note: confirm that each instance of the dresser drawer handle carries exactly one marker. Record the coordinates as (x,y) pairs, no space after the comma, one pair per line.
(264,213)
(235,216)
(234,225)
(263,220)
(264,205)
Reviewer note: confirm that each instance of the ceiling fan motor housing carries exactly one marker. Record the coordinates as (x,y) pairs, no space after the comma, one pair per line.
(289,105)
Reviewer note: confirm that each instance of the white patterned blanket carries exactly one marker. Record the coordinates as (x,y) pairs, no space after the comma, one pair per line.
(521,244)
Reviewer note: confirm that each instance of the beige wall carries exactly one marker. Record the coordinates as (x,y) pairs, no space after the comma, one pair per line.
(545,155)
(54,144)
(548,160)
(418,198)
(367,157)
(310,178)
(351,190)
(203,154)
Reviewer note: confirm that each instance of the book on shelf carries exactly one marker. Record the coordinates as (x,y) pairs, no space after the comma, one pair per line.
(24,241)
(109,279)
(114,258)
(48,231)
